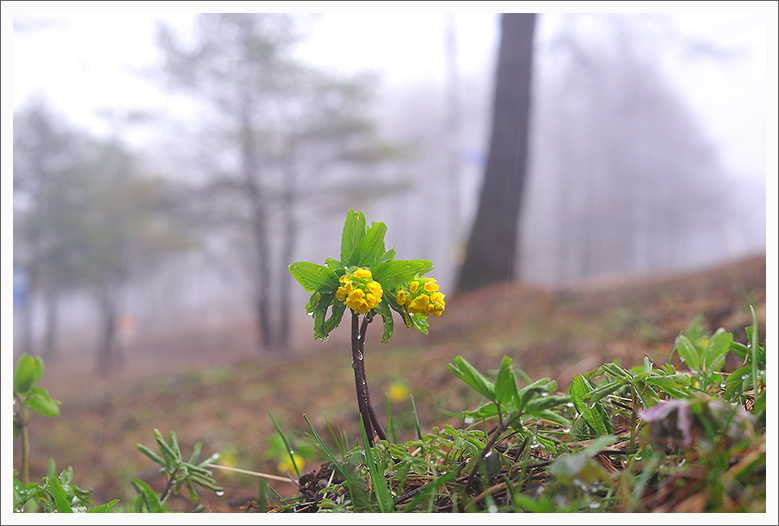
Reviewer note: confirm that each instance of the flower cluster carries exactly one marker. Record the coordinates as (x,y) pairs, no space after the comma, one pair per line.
(421,296)
(358,291)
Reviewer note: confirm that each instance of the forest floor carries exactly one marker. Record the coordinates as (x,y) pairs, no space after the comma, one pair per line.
(218,389)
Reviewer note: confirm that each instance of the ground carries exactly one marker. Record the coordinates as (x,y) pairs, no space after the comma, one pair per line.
(218,389)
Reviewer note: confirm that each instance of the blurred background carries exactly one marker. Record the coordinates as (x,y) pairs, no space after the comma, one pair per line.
(168,167)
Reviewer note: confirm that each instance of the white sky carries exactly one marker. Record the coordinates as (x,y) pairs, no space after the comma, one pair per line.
(85,61)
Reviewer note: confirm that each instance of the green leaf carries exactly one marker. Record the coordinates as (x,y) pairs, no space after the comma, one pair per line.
(647,365)
(468,374)
(317,308)
(667,384)
(195,453)
(531,390)
(148,497)
(387,256)
(370,247)
(151,454)
(544,403)
(419,322)
(383,309)
(336,315)
(335,266)
(21,493)
(392,274)
(40,402)
(546,414)
(688,352)
(754,344)
(506,383)
(313,277)
(603,391)
(60,497)
(354,231)
(26,373)
(716,350)
(616,371)
(104,508)
(739,349)
(593,415)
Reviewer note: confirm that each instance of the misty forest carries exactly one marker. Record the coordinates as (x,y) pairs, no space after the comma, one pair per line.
(574,207)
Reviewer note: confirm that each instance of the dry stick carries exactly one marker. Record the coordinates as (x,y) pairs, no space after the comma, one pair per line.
(359,377)
(253,473)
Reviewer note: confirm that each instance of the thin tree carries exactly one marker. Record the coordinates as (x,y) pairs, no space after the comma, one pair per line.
(280,128)
(490,252)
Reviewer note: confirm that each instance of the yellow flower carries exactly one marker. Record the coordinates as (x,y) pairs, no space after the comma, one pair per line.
(375,288)
(397,391)
(361,273)
(286,464)
(359,292)
(425,300)
(401,297)
(419,305)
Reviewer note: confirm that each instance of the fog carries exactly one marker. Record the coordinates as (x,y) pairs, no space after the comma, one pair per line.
(647,154)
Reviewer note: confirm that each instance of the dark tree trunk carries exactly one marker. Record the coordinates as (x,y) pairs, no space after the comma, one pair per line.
(490,253)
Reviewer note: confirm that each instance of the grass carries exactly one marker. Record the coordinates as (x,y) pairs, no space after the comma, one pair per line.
(226,408)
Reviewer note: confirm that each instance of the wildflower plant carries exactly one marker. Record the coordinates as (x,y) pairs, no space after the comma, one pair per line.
(368,280)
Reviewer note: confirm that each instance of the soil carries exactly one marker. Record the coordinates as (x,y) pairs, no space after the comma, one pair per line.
(217,388)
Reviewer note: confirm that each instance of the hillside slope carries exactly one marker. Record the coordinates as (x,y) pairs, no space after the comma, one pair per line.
(223,399)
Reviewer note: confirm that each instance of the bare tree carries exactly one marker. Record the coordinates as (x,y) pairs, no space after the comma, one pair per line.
(281,128)
(490,253)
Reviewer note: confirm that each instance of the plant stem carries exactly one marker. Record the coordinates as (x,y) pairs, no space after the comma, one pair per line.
(374,418)
(367,411)
(359,377)
(22,422)
(633,417)
(504,425)
(168,486)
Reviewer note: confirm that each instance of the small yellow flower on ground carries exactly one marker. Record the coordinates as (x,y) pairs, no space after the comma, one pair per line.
(397,391)
(286,463)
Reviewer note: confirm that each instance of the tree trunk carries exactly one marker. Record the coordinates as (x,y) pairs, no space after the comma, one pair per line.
(259,227)
(105,353)
(287,249)
(491,249)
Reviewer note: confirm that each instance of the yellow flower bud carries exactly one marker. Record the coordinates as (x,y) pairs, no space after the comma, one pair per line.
(361,273)
(401,297)
(431,285)
(413,286)
(419,304)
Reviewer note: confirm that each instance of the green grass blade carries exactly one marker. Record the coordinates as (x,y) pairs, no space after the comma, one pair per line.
(391,421)
(286,445)
(376,470)
(416,418)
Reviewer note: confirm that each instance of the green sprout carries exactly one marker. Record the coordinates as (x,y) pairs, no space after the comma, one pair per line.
(369,281)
